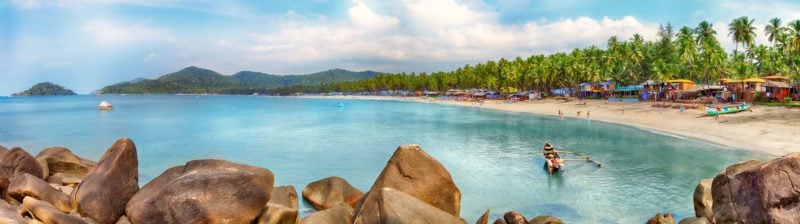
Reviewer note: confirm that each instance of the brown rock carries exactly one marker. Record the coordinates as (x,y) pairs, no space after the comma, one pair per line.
(484,219)
(284,195)
(326,193)
(10,213)
(703,200)
(752,192)
(513,217)
(61,160)
(662,219)
(278,214)
(28,185)
(49,214)
(64,179)
(206,191)
(694,220)
(545,219)
(500,221)
(106,189)
(414,172)
(17,162)
(123,220)
(387,205)
(337,214)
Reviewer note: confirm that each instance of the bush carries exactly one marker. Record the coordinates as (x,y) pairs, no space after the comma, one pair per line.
(787,99)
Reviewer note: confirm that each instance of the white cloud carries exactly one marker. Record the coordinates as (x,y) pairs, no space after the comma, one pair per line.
(112,33)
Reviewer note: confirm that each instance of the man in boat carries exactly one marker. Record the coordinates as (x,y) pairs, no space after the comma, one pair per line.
(554,161)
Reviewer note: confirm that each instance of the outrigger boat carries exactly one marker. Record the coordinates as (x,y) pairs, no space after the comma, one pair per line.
(726,110)
(554,163)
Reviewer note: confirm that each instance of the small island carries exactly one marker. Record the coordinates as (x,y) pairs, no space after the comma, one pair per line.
(46,89)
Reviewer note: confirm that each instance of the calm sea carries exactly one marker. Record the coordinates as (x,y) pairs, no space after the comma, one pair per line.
(493,156)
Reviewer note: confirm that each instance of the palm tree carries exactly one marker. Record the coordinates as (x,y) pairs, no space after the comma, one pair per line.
(773,30)
(742,32)
(705,32)
(687,47)
(794,35)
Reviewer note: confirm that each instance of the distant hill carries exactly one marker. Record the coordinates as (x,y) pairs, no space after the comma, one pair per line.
(45,89)
(199,80)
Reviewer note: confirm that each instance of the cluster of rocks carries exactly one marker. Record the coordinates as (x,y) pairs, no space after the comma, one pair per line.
(748,192)
(56,186)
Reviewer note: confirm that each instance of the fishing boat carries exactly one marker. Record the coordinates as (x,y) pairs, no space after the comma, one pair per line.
(726,110)
(554,163)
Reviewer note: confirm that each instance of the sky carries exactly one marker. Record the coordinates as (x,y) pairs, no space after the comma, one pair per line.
(87,44)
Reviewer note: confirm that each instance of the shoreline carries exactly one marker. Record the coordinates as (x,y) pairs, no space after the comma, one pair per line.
(769,130)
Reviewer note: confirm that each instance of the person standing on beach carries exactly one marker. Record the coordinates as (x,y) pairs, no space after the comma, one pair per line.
(587,114)
(578,114)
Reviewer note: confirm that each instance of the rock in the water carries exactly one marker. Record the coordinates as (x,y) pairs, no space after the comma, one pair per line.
(278,214)
(702,199)
(694,220)
(484,219)
(61,160)
(207,191)
(513,217)
(545,219)
(387,205)
(123,220)
(414,172)
(10,214)
(326,193)
(337,214)
(49,214)
(499,221)
(106,189)
(29,185)
(282,207)
(17,162)
(284,195)
(752,192)
(662,219)
(64,179)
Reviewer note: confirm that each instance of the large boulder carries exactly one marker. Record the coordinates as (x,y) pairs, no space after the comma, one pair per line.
(203,191)
(326,193)
(282,207)
(752,192)
(64,179)
(17,162)
(337,214)
(484,219)
(414,172)
(513,217)
(662,219)
(545,219)
(106,189)
(28,185)
(49,214)
(703,200)
(10,213)
(387,205)
(61,160)
(694,220)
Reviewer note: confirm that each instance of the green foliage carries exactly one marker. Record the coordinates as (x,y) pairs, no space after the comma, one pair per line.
(787,100)
(46,89)
(194,80)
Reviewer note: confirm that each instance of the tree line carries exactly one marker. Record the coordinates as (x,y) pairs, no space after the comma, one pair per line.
(692,53)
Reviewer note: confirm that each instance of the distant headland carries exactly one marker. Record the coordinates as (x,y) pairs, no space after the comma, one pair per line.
(46,89)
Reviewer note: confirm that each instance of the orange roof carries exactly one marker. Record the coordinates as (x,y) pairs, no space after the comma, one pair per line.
(679,81)
(754,80)
(776,77)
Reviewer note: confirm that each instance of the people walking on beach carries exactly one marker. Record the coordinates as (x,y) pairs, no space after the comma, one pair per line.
(578,114)
(587,114)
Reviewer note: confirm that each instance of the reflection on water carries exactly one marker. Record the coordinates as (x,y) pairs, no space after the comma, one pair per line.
(494,157)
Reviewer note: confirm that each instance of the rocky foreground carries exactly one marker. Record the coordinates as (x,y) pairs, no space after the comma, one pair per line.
(57,186)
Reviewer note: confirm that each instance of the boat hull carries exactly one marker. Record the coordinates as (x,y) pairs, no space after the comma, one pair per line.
(726,110)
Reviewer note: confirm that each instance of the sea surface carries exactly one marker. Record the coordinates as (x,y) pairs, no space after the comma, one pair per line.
(493,157)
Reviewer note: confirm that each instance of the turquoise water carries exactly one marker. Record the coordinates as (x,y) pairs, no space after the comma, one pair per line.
(493,156)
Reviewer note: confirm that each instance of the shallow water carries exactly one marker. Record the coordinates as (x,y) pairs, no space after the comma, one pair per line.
(493,156)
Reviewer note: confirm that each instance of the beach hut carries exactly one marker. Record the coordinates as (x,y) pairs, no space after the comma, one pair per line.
(430,93)
(795,91)
(753,84)
(776,91)
(777,78)
(680,84)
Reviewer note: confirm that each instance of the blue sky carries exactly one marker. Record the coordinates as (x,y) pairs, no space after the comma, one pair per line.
(87,44)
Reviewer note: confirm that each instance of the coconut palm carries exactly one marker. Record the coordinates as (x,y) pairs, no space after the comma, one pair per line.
(743,32)
(773,30)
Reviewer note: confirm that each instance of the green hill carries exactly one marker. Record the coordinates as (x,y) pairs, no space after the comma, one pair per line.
(196,80)
(46,89)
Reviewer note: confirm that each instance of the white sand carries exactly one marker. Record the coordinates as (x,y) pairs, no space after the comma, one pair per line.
(772,130)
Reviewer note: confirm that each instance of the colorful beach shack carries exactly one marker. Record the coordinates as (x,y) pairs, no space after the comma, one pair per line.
(776,91)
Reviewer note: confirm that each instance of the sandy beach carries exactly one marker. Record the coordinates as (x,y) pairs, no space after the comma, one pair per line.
(771,130)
